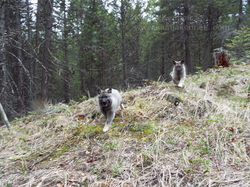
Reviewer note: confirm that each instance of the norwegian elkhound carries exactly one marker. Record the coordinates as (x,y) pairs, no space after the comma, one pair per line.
(179,73)
(109,101)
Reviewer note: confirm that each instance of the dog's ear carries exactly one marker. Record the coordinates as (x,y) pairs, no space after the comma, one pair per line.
(99,90)
(182,62)
(174,62)
(110,90)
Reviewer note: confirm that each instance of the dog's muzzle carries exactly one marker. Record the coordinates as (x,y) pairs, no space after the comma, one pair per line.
(178,69)
(104,104)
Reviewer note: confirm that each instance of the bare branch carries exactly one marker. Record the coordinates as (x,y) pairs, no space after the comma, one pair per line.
(4,117)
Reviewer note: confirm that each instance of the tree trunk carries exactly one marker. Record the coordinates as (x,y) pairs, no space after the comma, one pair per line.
(208,39)
(136,61)
(65,49)
(240,19)
(162,71)
(187,39)
(123,44)
(48,9)
(37,44)
(19,60)
(30,59)
(3,72)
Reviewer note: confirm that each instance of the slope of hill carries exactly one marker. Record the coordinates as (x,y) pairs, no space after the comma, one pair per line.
(165,136)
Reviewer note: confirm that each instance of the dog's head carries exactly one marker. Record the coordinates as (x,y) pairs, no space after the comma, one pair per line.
(178,65)
(105,97)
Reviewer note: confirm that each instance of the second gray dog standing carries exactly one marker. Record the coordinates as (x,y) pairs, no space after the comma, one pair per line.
(179,73)
(109,101)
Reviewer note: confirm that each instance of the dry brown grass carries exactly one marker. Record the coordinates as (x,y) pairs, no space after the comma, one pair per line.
(204,141)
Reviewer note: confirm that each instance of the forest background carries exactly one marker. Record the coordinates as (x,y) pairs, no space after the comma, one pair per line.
(61,50)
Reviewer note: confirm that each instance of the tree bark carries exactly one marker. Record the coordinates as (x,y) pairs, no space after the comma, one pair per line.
(3,74)
(123,44)
(208,39)
(187,39)
(19,63)
(240,19)
(37,45)
(30,59)
(48,10)
(65,49)
(163,63)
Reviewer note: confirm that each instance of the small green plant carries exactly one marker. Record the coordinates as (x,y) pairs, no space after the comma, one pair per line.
(146,159)
(24,168)
(64,149)
(214,120)
(202,147)
(84,98)
(248,88)
(116,169)
(88,130)
(145,128)
(23,139)
(202,162)
(110,145)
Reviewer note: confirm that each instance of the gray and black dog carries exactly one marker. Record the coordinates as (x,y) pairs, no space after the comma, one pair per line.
(109,101)
(179,73)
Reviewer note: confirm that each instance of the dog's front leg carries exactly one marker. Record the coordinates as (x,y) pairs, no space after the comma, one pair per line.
(181,83)
(122,106)
(108,122)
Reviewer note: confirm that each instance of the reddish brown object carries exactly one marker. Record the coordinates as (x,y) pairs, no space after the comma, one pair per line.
(221,58)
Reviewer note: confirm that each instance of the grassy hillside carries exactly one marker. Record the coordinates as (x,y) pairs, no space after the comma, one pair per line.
(195,136)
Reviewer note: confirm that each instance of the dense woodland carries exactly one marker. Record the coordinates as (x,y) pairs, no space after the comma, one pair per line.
(61,50)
